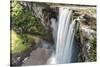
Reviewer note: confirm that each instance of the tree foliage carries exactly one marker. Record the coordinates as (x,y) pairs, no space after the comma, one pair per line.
(24,27)
(92,51)
(22,20)
(17,44)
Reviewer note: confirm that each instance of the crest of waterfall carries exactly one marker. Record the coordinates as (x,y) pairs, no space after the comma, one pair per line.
(65,36)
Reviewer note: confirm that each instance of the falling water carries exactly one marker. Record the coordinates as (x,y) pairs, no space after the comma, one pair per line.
(54,26)
(65,36)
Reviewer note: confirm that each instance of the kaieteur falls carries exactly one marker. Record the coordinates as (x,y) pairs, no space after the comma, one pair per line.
(65,43)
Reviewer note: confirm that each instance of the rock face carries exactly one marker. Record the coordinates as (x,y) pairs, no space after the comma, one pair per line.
(85,35)
(37,10)
(42,11)
(86,32)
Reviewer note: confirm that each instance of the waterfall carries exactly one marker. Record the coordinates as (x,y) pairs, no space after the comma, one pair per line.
(65,36)
(54,26)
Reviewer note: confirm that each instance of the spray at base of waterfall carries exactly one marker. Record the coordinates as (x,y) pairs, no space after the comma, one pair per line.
(52,59)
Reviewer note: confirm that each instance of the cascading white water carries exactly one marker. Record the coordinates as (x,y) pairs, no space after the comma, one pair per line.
(54,26)
(65,36)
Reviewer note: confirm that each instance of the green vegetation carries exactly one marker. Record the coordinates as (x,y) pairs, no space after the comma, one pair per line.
(92,51)
(17,44)
(24,22)
(26,28)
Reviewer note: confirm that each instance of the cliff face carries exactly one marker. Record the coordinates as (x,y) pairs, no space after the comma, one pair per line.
(87,33)
(42,11)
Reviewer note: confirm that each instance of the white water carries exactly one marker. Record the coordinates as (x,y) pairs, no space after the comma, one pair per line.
(54,26)
(65,36)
